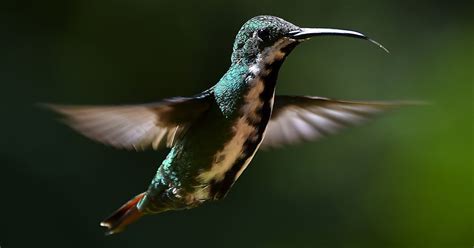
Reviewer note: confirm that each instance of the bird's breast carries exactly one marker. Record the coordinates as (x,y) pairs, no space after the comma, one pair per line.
(248,104)
(248,127)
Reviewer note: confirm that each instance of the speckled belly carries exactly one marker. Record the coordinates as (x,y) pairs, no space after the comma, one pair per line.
(210,158)
(248,130)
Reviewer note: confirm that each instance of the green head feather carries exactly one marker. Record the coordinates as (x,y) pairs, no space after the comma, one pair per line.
(257,34)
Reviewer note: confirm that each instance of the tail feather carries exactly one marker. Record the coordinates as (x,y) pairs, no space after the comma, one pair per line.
(124,216)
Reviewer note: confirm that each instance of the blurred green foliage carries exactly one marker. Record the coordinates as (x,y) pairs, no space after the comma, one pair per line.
(405,180)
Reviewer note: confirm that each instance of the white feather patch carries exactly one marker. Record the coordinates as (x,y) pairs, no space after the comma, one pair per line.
(243,131)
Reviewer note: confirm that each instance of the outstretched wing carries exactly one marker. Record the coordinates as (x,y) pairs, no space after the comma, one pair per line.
(303,118)
(134,126)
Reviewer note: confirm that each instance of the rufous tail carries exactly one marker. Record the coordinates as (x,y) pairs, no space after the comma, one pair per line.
(125,215)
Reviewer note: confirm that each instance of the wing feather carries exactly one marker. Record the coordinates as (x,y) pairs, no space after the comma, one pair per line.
(297,119)
(135,127)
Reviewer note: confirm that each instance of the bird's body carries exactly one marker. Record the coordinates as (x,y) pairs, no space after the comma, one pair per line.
(228,136)
(214,135)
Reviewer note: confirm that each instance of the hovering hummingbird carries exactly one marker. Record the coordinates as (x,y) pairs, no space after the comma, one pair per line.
(214,135)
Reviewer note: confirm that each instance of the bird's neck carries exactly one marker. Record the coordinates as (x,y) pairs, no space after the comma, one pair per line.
(247,81)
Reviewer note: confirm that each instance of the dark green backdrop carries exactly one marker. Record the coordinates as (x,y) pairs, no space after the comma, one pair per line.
(405,180)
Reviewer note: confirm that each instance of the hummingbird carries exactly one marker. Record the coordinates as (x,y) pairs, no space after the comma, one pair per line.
(214,135)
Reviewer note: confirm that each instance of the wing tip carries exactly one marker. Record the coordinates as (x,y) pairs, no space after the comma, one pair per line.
(57,108)
(45,105)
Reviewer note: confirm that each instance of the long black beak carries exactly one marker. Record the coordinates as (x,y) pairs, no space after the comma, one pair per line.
(305,33)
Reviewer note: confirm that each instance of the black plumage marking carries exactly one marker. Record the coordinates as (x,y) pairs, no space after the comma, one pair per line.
(219,189)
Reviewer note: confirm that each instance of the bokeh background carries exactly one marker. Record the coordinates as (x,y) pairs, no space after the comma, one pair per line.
(404,180)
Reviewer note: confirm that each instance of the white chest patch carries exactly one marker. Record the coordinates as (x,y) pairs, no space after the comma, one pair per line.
(243,131)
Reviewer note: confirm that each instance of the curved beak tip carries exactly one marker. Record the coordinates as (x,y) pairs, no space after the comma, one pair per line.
(379,45)
(306,33)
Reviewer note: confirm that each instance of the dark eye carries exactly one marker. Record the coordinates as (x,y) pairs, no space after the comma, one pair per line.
(263,34)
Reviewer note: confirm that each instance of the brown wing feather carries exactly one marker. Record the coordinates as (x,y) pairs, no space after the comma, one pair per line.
(304,118)
(134,126)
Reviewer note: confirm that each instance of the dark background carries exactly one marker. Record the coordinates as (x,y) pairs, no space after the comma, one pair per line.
(404,180)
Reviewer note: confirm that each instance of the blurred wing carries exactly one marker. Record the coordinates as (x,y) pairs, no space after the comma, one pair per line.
(134,126)
(304,118)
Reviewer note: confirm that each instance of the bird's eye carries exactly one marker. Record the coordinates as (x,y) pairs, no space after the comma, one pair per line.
(263,34)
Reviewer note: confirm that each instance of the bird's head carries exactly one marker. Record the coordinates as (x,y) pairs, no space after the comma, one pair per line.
(271,38)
